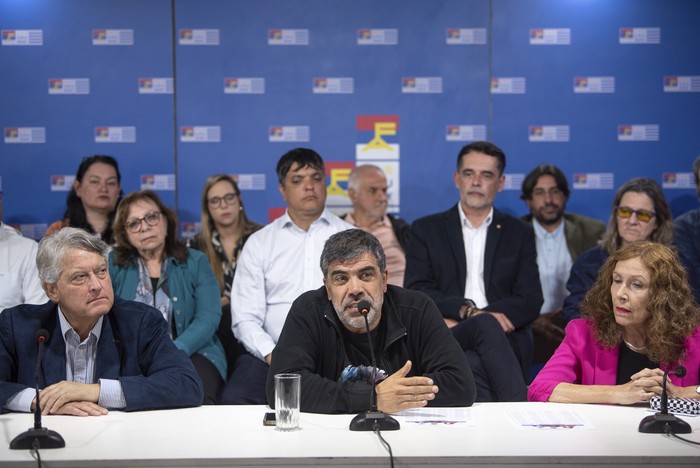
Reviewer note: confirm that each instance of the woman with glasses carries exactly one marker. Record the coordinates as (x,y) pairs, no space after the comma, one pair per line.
(93,198)
(225,228)
(640,320)
(150,264)
(639,212)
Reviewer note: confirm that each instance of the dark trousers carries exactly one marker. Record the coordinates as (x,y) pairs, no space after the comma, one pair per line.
(246,385)
(497,372)
(210,376)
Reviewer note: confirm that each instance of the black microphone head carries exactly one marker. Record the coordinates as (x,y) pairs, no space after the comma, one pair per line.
(42,335)
(679,371)
(364,307)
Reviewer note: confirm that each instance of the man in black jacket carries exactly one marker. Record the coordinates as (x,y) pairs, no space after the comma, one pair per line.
(324,339)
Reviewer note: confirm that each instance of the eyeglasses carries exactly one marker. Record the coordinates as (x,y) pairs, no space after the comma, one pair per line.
(152,219)
(229,198)
(642,215)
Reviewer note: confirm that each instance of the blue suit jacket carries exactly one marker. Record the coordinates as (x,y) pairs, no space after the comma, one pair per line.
(134,348)
(436,264)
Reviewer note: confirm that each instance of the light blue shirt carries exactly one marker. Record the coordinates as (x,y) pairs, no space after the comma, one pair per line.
(554,262)
(81,357)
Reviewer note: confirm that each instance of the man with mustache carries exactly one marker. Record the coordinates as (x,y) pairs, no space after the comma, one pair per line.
(276,265)
(560,238)
(325,339)
(479,265)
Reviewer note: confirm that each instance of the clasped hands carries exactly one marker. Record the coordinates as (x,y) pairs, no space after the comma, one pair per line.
(71,398)
(645,384)
(398,392)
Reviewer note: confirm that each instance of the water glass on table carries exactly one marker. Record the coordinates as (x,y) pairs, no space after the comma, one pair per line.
(287,388)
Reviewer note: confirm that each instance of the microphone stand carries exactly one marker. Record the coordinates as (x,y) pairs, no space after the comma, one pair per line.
(38,437)
(373,419)
(663,422)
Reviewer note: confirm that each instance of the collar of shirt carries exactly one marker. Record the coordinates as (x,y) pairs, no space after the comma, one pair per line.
(384,221)
(542,233)
(66,327)
(324,219)
(466,223)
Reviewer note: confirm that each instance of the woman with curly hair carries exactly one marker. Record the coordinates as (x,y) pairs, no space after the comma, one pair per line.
(640,319)
(639,212)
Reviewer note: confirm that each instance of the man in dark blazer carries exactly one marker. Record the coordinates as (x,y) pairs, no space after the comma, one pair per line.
(503,280)
(101,353)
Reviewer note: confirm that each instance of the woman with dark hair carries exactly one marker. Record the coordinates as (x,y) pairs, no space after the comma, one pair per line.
(225,228)
(150,264)
(93,199)
(639,212)
(639,320)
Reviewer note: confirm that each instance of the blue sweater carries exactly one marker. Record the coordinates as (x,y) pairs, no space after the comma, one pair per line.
(194,293)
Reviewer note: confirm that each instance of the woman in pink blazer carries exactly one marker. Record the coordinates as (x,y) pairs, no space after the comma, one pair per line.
(640,320)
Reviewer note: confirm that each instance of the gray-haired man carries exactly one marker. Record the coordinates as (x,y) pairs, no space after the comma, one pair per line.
(324,339)
(102,352)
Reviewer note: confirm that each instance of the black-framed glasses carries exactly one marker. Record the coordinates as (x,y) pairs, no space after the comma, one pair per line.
(229,198)
(134,225)
(642,215)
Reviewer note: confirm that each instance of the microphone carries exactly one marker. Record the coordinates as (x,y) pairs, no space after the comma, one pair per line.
(662,422)
(373,419)
(38,437)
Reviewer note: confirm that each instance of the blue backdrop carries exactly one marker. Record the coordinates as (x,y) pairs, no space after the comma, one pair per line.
(179,90)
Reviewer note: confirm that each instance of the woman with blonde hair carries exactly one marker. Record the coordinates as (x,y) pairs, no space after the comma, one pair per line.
(640,319)
(225,229)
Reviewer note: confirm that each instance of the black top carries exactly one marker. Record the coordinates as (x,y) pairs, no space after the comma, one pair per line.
(631,362)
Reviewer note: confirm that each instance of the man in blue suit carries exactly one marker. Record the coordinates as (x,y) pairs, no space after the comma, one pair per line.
(479,265)
(101,353)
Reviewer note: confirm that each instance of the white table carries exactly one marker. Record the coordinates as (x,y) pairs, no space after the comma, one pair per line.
(231,435)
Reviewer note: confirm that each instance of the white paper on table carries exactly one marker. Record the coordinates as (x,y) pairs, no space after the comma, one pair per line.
(549,419)
(438,416)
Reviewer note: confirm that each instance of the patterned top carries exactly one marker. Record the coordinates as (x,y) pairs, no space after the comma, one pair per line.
(228,268)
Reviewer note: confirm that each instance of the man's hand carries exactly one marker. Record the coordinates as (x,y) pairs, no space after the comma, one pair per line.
(59,394)
(545,326)
(503,321)
(398,392)
(81,408)
(268,359)
(450,322)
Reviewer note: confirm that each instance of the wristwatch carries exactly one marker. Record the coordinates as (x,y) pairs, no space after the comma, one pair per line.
(467,309)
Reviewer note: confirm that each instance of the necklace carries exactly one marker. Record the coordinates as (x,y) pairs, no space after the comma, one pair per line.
(634,348)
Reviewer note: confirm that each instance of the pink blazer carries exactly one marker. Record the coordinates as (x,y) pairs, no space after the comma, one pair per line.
(580,359)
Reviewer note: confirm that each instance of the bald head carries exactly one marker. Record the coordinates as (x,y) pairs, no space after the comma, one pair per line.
(367,188)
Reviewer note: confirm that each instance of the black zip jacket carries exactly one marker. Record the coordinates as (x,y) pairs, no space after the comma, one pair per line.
(311,344)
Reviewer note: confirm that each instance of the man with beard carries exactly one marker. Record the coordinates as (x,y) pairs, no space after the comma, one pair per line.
(325,339)
(560,238)
(479,265)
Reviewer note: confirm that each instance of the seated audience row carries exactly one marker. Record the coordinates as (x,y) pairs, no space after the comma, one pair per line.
(495,279)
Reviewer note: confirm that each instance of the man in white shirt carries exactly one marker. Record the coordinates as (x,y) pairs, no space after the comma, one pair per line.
(560,238)
(19,278)
(367,189)
(278,263)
